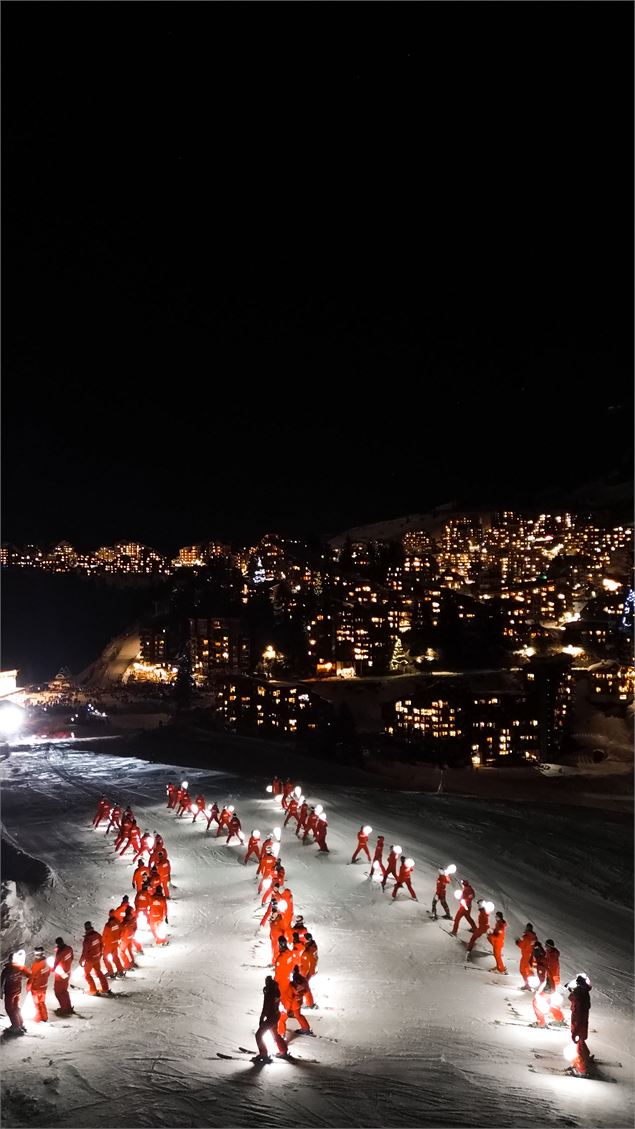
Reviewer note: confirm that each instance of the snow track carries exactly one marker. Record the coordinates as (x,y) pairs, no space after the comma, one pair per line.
(404,1037)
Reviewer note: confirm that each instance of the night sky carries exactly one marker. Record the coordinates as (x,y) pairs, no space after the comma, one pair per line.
(291,266)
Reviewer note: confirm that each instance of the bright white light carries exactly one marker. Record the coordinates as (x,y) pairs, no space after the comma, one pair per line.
(610,585)
(28,1007)
(19,956)
(230,808)
(11,720)
(150,843)
(50,961)
(270,1042)
(570,1052)
(209,807)
(541,1003)
(397,849)
(241,836)
(458,894)
(318,809)
(256,834)
(367,830)
(556,999)
(266,884)
(410,862)
(301,799)
(269,788)
(279,798)
(275,850)
(276,833)
(533,980)
(451,869)
(297,791)
(488,907)
(282,905)
(142,921)
(184,784)
(162,931)
(377,875)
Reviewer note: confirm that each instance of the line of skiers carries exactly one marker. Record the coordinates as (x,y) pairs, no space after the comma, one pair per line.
(226,819)
(109,954)
(294,952)
(539,965)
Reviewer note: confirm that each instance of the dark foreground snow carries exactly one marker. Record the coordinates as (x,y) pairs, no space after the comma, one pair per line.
(407,1035)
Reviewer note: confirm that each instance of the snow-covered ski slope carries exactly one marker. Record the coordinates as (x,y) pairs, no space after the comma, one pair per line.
(407,1034)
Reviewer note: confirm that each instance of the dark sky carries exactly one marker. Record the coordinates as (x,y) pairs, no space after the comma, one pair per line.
(299,266)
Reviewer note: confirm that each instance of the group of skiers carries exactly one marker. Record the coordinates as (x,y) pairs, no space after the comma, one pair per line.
(106,955)
(539,965)
(294,955)
(226,819)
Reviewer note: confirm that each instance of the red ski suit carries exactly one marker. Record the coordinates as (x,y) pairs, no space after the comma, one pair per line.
(362,845)
(482,926)
(467,897)
(403,879)
(497,939)
(11,984)
(62,973)
(37,985)
(526,945)
(253,848)
(440,894)
(90,961)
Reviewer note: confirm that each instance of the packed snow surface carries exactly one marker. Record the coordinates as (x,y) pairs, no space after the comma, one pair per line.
(407,1033)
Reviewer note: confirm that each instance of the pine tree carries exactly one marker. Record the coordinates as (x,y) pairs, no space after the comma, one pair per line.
(400,659)
(184,682)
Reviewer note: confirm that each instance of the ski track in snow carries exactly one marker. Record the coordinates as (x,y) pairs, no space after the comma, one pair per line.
(404,1038)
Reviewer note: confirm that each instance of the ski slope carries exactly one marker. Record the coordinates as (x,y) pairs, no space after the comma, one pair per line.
(407,1034)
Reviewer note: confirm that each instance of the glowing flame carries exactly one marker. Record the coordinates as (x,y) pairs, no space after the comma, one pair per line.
(367,829)
(276,833)
(451,869)
(397,849)
(269,788)
(533,980)
(570,1052)
(297,790)
(410,862)
(184,784)
(488,907)
(255,834)
(230,808)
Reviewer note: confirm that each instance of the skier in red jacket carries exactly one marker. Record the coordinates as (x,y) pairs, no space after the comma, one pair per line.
(62,973)
(311,824)
(362,842)
(292,997)
(292,810)
(440,894)
(465,904)
(320,833)
(391,865)
(378,858)
(90,960)
(212,814)
(103,811)
(482,925)
(171,791)
(38,983)
(302,817)
(497,939)
(253,847)
(233,828)
(526,945)
(404,877)
(198,807)
(580,1000)
(224,818)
